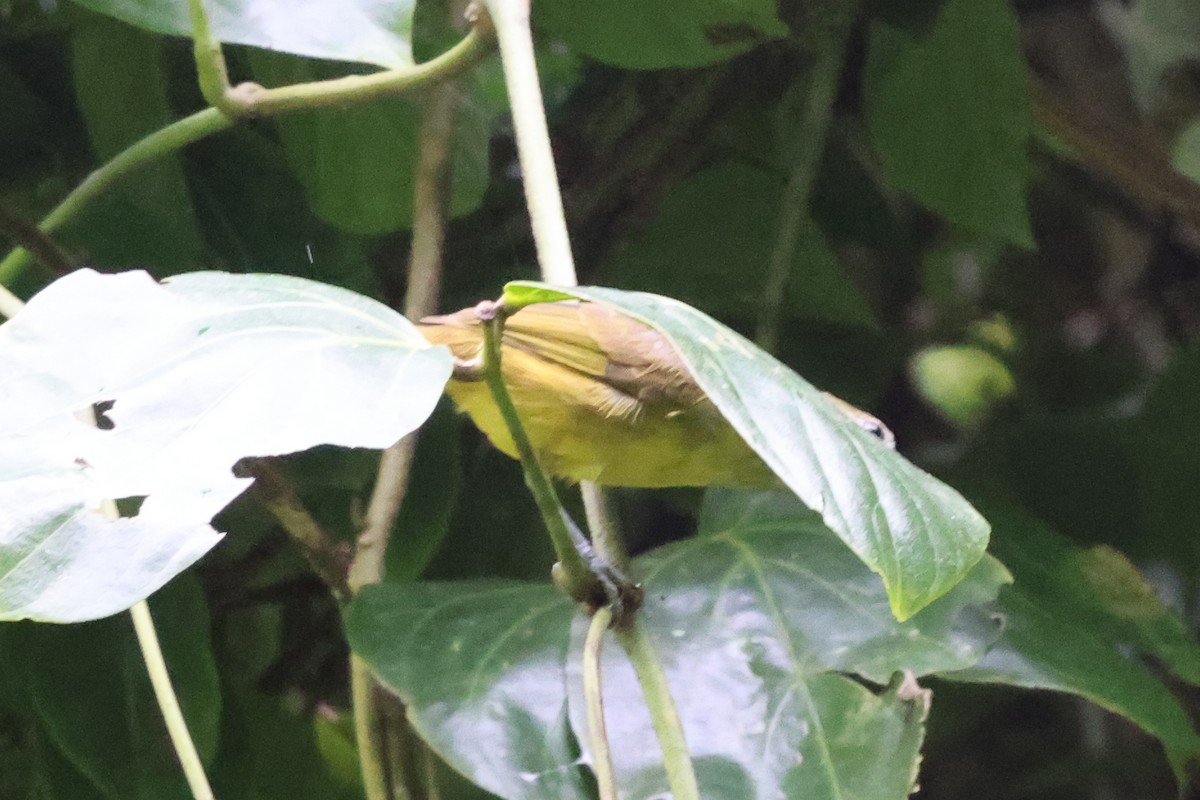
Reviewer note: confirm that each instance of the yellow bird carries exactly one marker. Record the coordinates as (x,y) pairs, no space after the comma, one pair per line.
(604,398)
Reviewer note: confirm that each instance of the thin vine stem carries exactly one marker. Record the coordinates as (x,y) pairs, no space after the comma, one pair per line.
(168,703)
(256,102)
(593,692)
(681,773)
(431,200)
(808,127)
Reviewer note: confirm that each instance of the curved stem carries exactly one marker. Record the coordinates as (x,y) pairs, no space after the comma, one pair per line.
(163,141)
(257,102)
(593,691)
(164,693)
(681,774)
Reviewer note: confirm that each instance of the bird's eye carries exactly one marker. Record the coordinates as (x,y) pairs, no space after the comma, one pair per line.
(880,431)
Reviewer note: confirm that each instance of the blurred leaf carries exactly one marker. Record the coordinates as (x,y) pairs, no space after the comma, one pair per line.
(269,754)
(1163,444)
(963,382)
(1155,36)
(121,88)
(1084,621)
(948,110)
(90,690)
(919,534)
(637,35)
(355,30)
(711,241)
(1185,154)
(749,619)
(203,371)
(357,164)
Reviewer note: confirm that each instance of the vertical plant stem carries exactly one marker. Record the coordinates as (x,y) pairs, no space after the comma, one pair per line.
(576,576)
(164,693)
(511,19)
(605,535)
(593,692)
(807,126)
(681,774)
(368,732)
(385,770)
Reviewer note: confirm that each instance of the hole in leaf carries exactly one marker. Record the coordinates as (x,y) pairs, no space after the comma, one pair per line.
(130,506)
(101,409)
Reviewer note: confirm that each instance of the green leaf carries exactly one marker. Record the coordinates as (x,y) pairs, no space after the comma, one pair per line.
(89,689)
(639,35)
(337,153)
(948,110)
(485,657)
(710,243)
(752,620)
(1084,621)
(963,382)
(121,88)
(203,371)
(1156,36)
(919,534)
(354,30)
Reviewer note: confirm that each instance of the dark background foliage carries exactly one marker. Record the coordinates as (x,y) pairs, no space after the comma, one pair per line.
(1000,257)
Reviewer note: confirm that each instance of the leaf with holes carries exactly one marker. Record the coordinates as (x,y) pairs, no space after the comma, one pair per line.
(191,377)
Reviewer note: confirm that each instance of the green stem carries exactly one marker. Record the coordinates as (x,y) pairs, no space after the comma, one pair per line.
(605,535)
(681,774)
(164,693)
(10,304)
(162,142)
(808,128)
(575,576)
(211,71)
(593,692)
(368,731)
(256,102)
(511,18)
(431,201)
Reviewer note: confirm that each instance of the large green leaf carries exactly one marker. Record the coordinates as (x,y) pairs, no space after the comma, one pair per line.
(121,88)
(1084,621)
(919,534)
(203,371)
(639,35)
(91,695)
(337,153)
(948,110)
(752,620)
(366,31)
(710,243)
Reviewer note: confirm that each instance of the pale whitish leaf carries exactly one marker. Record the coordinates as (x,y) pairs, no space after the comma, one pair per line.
(367,31)
(200,373)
